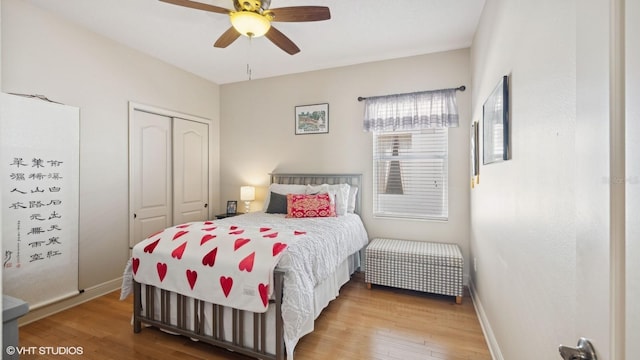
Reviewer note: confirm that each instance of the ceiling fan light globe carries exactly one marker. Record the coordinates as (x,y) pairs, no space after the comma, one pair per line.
(249,23)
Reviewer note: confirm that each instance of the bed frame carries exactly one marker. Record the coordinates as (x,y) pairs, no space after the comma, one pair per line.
(259,328)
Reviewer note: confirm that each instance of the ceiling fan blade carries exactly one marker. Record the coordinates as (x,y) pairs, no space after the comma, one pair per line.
(198,5)
(301,13)
(227,38)
(282,41)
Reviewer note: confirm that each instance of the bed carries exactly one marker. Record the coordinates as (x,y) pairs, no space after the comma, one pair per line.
(313,257)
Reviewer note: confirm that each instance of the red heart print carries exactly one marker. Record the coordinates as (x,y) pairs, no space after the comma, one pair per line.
(226,283)
(208,223)
(136,263)
(233,227)
(278,247)
(239,243)
(210,228)
(299,232)
(206,238)
(272,235)
(246,264)
(192,276)
(264,293)
(237,232)
(149,248)
(162,270)
(183,226)
(210,258)
(179,233)
(177,252)
(263,229)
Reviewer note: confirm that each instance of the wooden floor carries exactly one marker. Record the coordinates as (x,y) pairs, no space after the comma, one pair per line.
(381,323)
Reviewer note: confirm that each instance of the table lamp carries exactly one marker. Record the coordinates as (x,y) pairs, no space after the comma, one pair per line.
(247,194)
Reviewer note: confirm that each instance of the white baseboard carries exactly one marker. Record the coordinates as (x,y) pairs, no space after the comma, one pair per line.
(492,343)
(88,294)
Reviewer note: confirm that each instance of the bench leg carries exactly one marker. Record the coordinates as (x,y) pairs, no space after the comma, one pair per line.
(458,300)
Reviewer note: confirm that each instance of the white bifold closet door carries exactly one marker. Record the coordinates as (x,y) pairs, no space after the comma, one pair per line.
(190,171)
(169,163)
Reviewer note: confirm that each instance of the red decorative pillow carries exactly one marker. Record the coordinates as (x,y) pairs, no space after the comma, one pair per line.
(303,205)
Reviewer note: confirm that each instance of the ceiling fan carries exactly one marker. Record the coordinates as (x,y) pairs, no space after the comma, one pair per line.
(253,18)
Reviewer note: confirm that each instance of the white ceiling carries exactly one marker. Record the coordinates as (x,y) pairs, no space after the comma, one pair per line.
(359,31)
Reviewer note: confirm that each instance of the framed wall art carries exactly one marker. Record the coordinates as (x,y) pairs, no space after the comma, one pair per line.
(475,154)
(495,124)
(312,119)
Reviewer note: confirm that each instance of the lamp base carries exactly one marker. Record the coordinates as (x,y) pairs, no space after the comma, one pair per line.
(247,204)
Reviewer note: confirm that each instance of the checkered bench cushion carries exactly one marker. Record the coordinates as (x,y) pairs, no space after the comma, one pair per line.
(415,265)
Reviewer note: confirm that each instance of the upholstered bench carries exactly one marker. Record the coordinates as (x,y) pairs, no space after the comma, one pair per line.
(415,265)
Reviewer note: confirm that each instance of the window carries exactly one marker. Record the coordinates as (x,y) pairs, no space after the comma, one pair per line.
(410,145)
(410,174)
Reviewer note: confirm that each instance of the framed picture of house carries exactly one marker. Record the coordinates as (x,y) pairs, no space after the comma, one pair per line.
(495,124)
(312,119)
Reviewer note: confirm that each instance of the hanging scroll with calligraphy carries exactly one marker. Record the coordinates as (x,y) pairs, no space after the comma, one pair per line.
(39,162)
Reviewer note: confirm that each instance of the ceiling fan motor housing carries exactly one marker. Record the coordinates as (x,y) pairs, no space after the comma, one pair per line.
(251,5)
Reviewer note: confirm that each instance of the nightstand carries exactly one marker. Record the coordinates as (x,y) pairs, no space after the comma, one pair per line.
(222,216)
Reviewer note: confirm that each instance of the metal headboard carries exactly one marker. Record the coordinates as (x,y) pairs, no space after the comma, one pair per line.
(318,179)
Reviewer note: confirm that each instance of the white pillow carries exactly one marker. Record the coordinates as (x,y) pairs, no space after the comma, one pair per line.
(341,192)
(283,189)
(351,203)
(321,189)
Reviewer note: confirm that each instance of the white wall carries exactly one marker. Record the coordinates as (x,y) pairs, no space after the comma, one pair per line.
(257,123)
(523,211)
(43,54)
(633,177)
(1,181)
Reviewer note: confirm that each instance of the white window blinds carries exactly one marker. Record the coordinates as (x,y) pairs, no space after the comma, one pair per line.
(410,174)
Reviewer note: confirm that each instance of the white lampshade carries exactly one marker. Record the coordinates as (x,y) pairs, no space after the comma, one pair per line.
(249,23)
(247,193)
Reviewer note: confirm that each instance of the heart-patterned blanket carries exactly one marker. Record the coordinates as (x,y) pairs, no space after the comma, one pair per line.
(220,263)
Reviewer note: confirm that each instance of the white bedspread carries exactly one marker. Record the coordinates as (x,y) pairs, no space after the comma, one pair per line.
(307,262)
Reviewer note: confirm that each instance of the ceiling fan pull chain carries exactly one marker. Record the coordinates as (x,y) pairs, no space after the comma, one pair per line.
(249,57)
